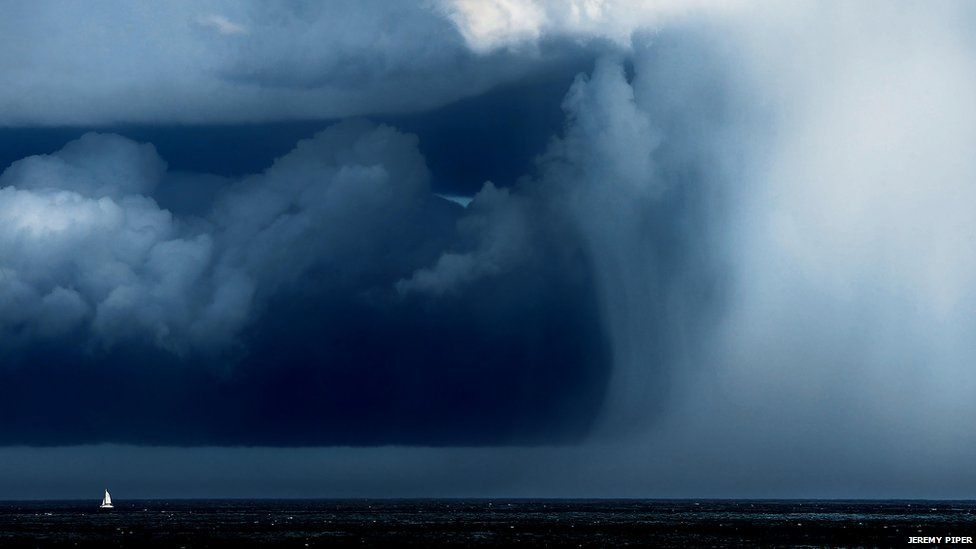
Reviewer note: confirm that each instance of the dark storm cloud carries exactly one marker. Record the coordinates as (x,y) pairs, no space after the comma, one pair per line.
(497,226)
(76,229)
(494,136)
(81,222)
(741,266)
(110,62)
(283,314)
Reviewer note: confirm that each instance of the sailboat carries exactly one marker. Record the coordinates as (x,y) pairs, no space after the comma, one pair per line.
(106,501)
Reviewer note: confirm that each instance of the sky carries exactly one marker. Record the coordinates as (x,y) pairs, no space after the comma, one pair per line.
(504,248)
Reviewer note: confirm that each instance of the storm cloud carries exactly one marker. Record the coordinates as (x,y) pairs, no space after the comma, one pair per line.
(228,62)
(294,274)
(739,262)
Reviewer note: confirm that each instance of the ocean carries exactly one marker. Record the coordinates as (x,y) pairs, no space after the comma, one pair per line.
(429,523)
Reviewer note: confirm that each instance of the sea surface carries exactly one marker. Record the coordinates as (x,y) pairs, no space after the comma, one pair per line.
(429,523)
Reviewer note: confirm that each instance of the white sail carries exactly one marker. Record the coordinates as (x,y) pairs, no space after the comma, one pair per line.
(106,501)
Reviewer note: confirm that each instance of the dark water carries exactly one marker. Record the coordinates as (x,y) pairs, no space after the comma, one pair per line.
(426,523)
